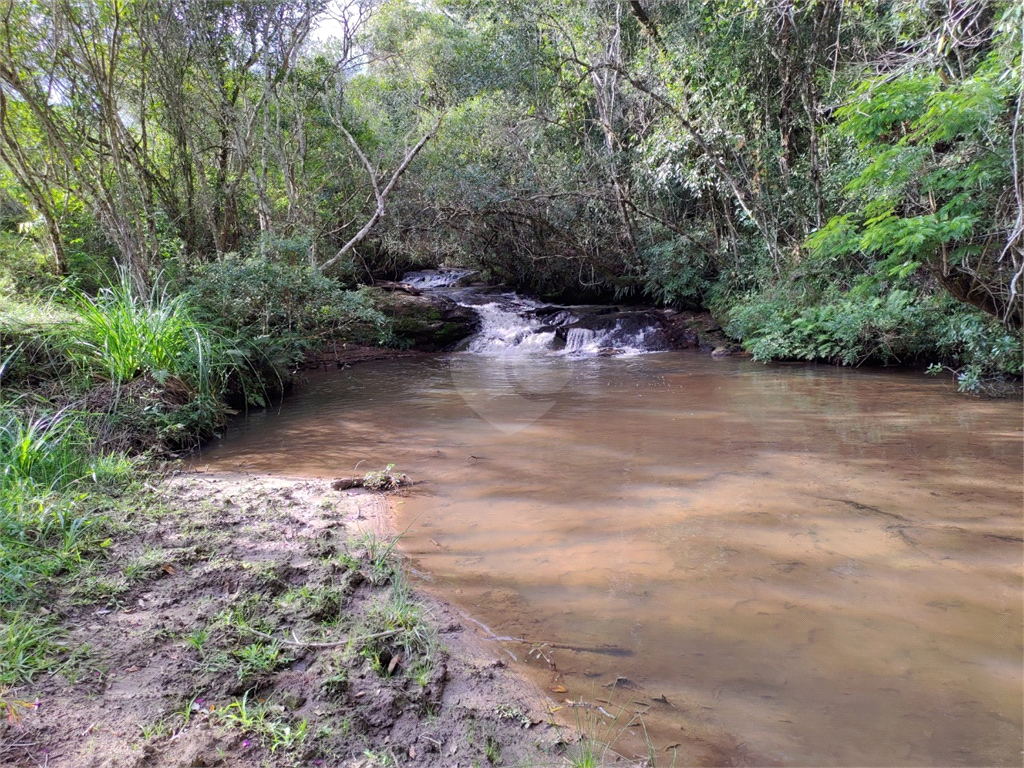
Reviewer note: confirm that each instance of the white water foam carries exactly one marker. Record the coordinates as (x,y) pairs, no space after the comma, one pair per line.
(506,328)
(579,340)
(510,326)
(433,279)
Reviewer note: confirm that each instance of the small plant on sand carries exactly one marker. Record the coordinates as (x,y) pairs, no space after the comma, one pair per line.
(587,754)
(335,683)
(296,597)
(598,731)
(190,709)
(285,736)
(394,633)
(257,719)
(241,713)
(382,563)
(149,566)
(385,479)
(346,561)
(82,664)
(258,659)
(197,638)
(492,750)
(216,662)
(421,673)
(161,729)
(13,709)
(380,759)
(248,612)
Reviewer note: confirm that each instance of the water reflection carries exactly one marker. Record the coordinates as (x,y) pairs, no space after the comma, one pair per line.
(790,565)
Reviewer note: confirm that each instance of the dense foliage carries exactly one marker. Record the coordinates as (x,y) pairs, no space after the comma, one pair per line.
(836,181)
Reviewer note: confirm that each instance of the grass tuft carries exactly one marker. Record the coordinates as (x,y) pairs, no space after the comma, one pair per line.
(27,647)
(46,527)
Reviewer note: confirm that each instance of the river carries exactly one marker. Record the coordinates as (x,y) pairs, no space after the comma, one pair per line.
(743,563)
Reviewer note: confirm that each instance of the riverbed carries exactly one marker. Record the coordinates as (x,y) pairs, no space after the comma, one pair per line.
(744,564)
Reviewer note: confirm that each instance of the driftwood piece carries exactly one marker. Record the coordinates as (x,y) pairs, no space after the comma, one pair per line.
(388,285)
(374,481)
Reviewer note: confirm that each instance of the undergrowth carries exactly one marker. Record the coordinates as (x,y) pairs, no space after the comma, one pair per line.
(900,326)
(49,526)
(161,365)
(275,312)
(138,365)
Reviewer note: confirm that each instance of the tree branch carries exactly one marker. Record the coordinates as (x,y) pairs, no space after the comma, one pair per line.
(381,195)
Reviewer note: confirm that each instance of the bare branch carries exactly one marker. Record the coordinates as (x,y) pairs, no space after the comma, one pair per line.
(379,194)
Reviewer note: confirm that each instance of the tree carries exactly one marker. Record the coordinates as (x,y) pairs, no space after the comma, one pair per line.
(939,179)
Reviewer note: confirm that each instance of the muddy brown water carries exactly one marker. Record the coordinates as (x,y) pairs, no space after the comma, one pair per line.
(788,565)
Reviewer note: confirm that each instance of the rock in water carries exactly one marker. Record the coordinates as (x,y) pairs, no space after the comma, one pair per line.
(428,321)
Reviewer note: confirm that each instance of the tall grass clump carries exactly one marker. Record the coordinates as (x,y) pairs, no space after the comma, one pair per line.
(49,452)
(183,365)
(122,334)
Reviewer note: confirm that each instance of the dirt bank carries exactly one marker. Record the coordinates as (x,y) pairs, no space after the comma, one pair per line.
(248,621)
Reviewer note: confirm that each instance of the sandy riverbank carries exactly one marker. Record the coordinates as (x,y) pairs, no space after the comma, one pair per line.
(244,620)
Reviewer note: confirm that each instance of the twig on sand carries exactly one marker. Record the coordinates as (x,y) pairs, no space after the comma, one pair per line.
(305,644)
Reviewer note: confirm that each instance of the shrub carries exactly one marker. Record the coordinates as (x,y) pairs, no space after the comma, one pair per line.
(260,297)
(675,276)
(276,312)
(900,326)
(971,339)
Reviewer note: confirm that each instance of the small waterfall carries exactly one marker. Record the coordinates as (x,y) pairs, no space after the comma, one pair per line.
(506,328)
(578,339)
(434,279)
(512,325)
